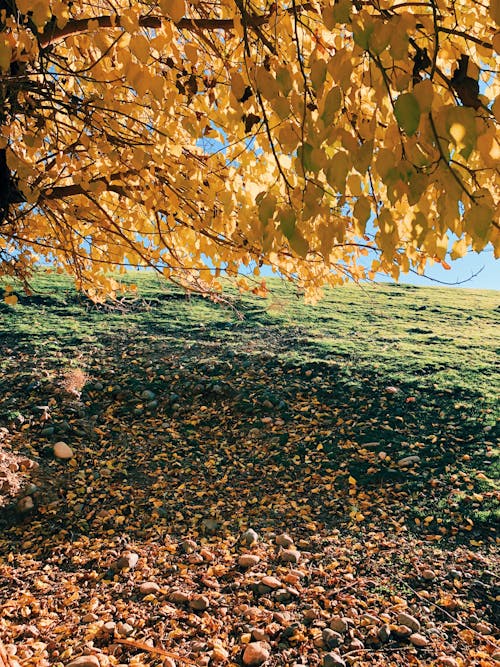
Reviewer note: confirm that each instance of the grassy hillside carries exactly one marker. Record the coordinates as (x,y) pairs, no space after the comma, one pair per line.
(366,426)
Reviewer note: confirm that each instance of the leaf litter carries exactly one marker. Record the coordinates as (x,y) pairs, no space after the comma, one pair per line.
(358,510)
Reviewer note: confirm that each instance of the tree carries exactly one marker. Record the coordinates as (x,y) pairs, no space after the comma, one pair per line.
(186,135)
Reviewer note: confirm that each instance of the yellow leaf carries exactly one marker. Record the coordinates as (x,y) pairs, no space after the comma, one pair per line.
(5,54)
(11,299)
(139,46)
(352,481)
(174,9)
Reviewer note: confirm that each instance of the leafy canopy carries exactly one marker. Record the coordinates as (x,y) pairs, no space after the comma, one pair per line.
(173,133)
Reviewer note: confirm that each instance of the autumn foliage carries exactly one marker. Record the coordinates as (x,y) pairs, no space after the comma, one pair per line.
(185,135)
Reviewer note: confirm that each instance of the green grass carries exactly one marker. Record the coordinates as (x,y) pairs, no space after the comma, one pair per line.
(324,369)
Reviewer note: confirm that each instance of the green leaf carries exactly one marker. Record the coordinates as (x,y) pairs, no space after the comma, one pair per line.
(407,112)
(287,220)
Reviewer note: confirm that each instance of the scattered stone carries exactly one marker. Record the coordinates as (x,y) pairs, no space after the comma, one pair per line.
(391,390)
(384,633)
(248,560)
(195,559)
(85,661)
(428,574)
(418,640)
(109,626)
(62,451)
(483,628)
(25,505)
(148,587)
(283,595)
(199,602)
(370,619)
(179,597)
(90,618)
(339,624)
(401,631)
(331,638)
(148,395)
(124,629)
(333,660)
(210,526)
(260,635)
(207,555)
(256,653)
(290,556)
(409,621)
(219,654)
(284,540)
(189,546)
(408,461)
(448,661)
(270,582)
(356,645)
(128,560)
(249,537)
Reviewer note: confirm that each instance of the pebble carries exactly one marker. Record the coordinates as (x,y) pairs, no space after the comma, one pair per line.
(270,582)
(207,555)
(249,537)
(391,390)
(148,395)
(418,640)
(339,624)
(169,662)
(448,661)
(356,645)
(188,546)
(179,597)
(384,633)
(85,661)
(290,556)
(25,505)
(124,629)
(284,540)
(333,660)
(199,602)
(260,635)
(256,653)
(90,618)
(428,574)
(483,628)
(408,461)
(370,619)
(63,451)
(331,638)
(248,560)
(402,631)
(409,621)
(148,587)
(220,654)
(128,559)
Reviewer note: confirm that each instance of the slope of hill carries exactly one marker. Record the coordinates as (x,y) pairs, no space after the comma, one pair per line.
(366,427)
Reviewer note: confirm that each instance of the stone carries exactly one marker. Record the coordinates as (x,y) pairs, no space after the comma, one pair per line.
(408,461)
(219,654)
(199,602)
(128,560)
(148,395)
(428,574)
(256,653)
(331,638)
(339,624)
(270,582)
(418,640)
(62,451)
(290,556)
(260,635)
(179,597)
(189,546)
(25,505)
(249,537)
(148,587)
(370,619)
(391,390)
(483,628)
(210,525)
(169,662)
(124,629)
(384,633)
(409,621)
(84,661)
(284,540)
(402,631)
(333,659)
(207,555)
(448,661)
(90,618)
(356,645)
(248,560)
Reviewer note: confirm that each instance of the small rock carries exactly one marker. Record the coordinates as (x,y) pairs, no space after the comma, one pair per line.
(219,654)
(256,653)
(195,559)
(284,540)
(249,537)
(391,390)
(25,505)
(148,587)
(283,595)
(384,633)
(339,624)
(260,635)
(331,638)
(148,395)
(409,621)
(356,645)
(90,618)
(85,661)
(270,582)
(210,525)
(179,597)
(408,461)
(248,560)
(189,546)
(199,602)
(333,660)
(401,631)
(169,662)
(109,626)
(62,451)
(483,628)
(128,559)
(418,640)
(207,555)
(428,574)
(290,556)
(124,629)
(448,661)
(370,619)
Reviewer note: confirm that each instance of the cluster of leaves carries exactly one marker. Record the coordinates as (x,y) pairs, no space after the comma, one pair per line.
(174,132)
